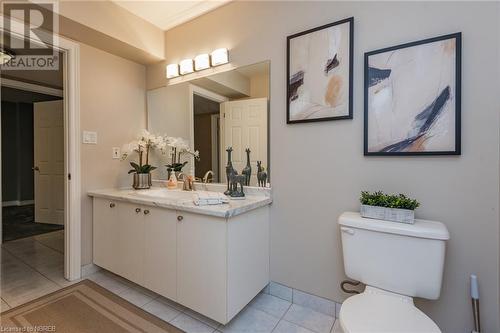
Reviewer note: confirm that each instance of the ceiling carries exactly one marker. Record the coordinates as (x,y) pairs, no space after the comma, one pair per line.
(166,14)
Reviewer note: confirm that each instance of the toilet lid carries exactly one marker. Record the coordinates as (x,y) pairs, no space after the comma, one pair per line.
(377,311)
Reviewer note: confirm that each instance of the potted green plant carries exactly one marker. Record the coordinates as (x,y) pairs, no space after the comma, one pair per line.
(141,170)
(391,207)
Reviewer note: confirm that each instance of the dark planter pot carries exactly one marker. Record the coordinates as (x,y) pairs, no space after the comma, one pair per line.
(142,181)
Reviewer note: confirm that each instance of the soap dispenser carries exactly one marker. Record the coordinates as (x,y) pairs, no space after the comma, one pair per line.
(172,181)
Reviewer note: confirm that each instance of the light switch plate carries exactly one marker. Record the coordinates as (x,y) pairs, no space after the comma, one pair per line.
(89,137)
(116,153)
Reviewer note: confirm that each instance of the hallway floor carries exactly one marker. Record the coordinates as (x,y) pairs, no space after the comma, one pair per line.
(19,222)
(31,267)
(34,266)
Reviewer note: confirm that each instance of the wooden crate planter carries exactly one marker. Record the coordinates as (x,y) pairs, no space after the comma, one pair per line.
(389,214)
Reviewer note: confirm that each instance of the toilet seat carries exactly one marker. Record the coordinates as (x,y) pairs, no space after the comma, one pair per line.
(379,311)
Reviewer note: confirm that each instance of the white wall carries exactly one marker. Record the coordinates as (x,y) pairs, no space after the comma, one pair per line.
(112,103)
(319,169)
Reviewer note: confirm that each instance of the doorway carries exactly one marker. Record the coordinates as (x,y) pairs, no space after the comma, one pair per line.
(32,164)
(32,155)
(69,57)
(207,136)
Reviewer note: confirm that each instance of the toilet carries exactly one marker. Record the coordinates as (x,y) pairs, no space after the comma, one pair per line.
(396,262)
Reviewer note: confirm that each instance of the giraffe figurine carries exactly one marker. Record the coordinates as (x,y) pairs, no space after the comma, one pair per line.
(229,171)
(235,181)
(261,174)
(247,171)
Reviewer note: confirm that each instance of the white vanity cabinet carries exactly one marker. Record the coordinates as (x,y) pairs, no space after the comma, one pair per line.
(201,264)
(119,238)
(105,234)
(137,242)
(160,251)
(130,242)
(212,265)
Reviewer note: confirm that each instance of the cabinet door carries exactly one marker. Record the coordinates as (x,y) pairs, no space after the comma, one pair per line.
(160,251)
(105,224)
(130,245)
(201,264)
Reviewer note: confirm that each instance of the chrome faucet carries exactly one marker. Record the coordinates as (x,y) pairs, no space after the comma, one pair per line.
(205,178)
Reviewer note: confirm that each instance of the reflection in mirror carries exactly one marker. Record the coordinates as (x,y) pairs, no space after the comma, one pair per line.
(212,113)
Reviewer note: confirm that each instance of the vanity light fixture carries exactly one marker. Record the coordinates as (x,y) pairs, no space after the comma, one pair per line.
(201,62)
(219,57)
(172,71)
(186,66)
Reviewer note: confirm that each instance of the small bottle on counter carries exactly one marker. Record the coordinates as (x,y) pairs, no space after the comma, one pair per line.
(172,181)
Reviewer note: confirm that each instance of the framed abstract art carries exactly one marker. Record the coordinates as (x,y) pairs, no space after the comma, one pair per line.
(412,98)
(319,73)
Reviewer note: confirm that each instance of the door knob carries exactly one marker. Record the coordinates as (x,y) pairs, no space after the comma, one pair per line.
(35,168)
(137,210)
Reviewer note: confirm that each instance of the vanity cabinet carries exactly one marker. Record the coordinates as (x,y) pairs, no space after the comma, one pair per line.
(105,234)
(201,265)
(119,238)
(160,251)
(212,265)
(126,242)
(130,242)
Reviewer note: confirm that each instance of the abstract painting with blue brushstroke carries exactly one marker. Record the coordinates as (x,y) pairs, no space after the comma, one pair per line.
(411,102)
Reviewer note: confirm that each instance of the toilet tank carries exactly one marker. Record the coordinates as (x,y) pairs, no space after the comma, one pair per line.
(407,259)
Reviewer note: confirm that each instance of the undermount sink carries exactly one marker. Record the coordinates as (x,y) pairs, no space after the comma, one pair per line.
(163,193)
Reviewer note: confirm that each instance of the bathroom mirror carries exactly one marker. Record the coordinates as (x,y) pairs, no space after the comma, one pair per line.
(212,113)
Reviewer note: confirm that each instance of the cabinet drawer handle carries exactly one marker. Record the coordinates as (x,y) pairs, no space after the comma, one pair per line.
(137,210)
(146,212)
(112,205)
(180,218)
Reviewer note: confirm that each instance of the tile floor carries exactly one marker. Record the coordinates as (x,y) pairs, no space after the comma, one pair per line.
(32,267)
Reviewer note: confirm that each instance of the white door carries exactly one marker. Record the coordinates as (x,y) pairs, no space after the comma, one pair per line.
(244,126)
(49,162)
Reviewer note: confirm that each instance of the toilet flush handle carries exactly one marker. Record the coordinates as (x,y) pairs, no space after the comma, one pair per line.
(348,231)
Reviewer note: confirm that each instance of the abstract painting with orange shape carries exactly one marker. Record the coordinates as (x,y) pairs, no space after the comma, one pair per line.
(412,98)
(319,73)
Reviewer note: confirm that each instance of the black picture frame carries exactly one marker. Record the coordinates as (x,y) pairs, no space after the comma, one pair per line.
(458,85)
(350,21)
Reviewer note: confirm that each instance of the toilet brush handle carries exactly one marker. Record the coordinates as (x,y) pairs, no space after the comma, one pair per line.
(475,311)
(474,293)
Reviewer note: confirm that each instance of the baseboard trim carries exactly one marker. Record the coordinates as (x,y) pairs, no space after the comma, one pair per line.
(89,270)
(17,203)
(295,296)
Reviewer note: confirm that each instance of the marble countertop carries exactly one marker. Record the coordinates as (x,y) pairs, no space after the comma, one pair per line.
(182,200)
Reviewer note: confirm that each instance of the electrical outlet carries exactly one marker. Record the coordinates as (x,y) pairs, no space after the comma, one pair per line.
(116,153)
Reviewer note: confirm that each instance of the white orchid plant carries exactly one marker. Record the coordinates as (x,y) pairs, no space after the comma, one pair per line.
(179,147)
(143,145)
(146,142)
